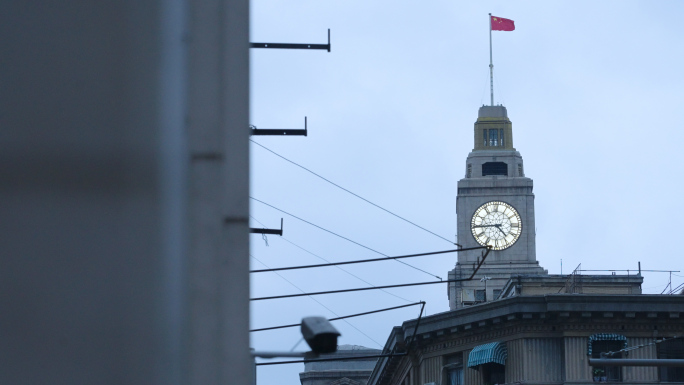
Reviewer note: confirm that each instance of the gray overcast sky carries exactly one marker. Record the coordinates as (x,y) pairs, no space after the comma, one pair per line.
(594,91)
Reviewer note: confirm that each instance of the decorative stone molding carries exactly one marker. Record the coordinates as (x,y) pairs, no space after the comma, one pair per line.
(346,381)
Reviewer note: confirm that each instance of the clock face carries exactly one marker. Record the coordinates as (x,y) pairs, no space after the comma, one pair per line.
(496,224)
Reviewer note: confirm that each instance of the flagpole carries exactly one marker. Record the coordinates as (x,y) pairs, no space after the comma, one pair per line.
(491,64)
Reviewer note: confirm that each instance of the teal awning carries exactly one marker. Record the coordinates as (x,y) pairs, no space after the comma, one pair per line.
(495,352)
(605,337)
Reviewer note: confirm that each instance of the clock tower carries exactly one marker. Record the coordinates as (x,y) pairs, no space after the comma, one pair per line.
(494,206)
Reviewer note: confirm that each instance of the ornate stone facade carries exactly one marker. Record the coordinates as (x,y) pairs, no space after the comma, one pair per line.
(546,338)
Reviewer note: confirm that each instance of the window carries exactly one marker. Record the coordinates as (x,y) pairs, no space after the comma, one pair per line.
(455,376)
(469,173)
(495,168)
(490,359)
(494,137)
(607,373)
(453,369)
(496,293)
(493,373)
(480,295)
(520,173)
(672,349)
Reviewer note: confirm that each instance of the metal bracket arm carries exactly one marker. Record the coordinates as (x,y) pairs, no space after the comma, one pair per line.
(269,231)
(280,131)
(293,45)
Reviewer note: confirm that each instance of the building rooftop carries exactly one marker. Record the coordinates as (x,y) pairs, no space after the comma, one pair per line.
(492,112)
(353,347)
(356,370)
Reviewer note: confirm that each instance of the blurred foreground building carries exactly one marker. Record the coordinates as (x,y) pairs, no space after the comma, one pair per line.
(124,188)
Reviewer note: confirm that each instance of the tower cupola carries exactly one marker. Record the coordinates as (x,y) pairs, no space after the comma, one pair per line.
(493,129)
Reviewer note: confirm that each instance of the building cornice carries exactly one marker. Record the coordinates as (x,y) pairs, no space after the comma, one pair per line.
(558,314)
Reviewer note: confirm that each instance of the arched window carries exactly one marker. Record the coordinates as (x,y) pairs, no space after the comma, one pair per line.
(603,343)
(490,359)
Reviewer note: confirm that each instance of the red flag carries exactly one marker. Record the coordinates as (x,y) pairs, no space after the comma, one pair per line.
(501,24)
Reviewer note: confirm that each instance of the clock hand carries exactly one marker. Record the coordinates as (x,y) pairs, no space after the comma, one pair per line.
(499,227)
(485,226)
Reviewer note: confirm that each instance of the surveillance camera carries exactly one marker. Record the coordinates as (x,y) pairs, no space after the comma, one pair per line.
(320,334)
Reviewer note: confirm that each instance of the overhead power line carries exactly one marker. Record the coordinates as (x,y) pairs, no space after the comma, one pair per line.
(364,260)
(339,318)
(320,303)
(345,358)
(380,287)
(340,236)
(323,259)
(636,270)
(356,289)
(624,350)
(350,192)
(676,289)
(415,330)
